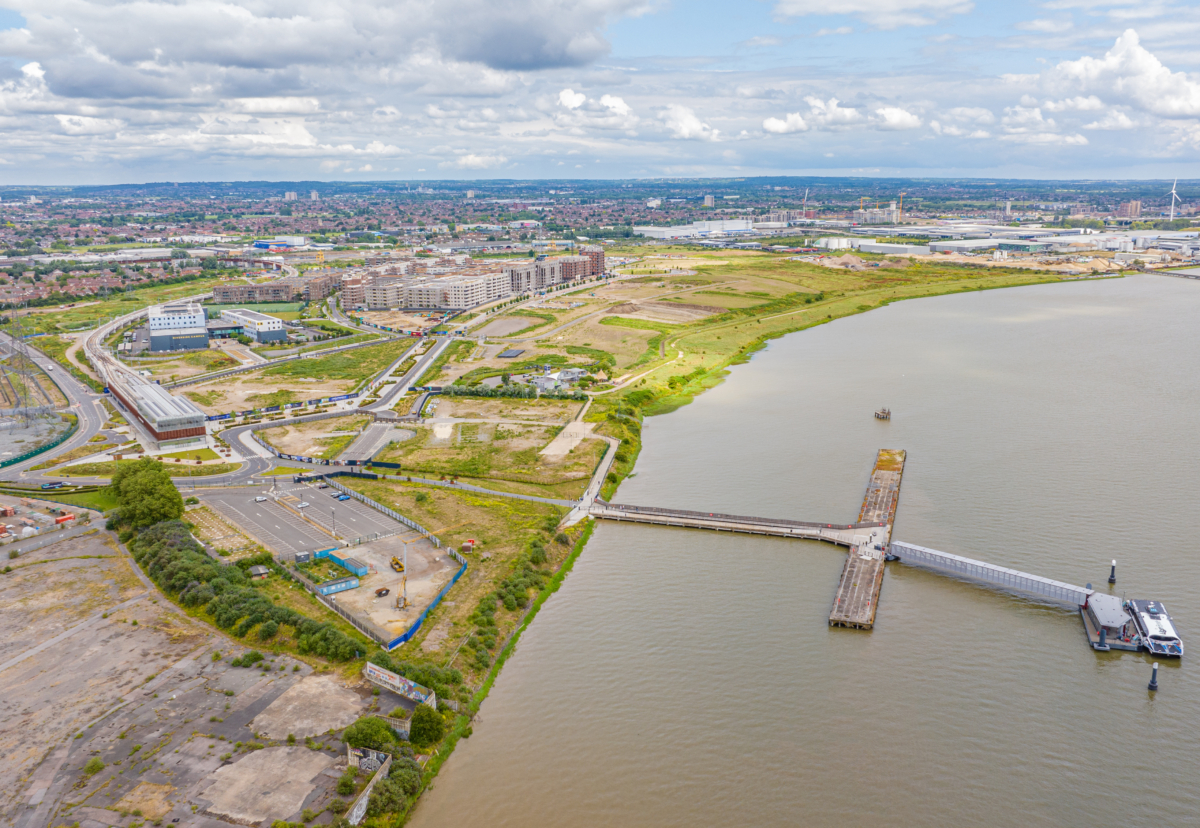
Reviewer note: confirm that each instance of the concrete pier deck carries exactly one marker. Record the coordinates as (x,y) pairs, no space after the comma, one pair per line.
(857,595)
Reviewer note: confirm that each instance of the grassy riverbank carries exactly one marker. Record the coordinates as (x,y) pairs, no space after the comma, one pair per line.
(697,356)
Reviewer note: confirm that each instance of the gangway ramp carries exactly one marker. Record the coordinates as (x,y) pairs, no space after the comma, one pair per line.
(990,573)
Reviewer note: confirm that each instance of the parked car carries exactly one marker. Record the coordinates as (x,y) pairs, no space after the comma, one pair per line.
(303,504)
(322,485)
(259,499)
(336,495)
(344,497)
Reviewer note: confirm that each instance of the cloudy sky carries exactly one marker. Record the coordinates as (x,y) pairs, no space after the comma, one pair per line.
(108,91)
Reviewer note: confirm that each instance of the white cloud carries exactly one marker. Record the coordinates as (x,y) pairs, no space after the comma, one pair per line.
(1044,26)
(882,14)
(275,105)
(1027,125)
(571,99)
(893,117)
(792,122)
(683,123)
(1077,104)
(957,131)
(1129,74)
(583,114)
(472,161)
(831,114)
(840,30)
(1114,120)
(971,114)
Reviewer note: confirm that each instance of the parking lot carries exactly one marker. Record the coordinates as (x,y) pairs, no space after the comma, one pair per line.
(275,523)
(269,523)
(348,519)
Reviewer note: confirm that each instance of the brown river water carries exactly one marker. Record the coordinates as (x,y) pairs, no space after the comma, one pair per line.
(689,678)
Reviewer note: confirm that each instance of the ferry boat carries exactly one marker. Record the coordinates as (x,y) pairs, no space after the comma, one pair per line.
(1154,624)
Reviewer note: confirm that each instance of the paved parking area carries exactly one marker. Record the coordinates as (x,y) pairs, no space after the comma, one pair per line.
(348,518)
(281,530)
(269,523)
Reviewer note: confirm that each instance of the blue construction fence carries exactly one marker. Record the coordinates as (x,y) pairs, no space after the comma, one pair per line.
(286,406)
(411,631)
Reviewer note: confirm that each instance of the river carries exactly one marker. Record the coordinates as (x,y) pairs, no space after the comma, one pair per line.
(689,678)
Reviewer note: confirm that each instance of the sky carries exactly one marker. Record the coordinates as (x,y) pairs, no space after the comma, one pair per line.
(128,91)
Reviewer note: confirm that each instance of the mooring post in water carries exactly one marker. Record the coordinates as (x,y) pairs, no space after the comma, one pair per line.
(1154,677)
(1112,575)
(1103,642)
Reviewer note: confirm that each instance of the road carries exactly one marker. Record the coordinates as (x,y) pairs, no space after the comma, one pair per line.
(81,401)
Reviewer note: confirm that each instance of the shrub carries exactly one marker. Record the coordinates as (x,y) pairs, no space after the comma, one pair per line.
(267,631)
(339,806)
(427,726)
(93,766)
(345,785)
(369,732)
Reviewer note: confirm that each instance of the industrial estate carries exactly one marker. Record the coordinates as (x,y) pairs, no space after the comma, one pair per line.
(284,478)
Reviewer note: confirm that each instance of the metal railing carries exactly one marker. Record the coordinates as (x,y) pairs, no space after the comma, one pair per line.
(990,573)
(718,516)
(392,513)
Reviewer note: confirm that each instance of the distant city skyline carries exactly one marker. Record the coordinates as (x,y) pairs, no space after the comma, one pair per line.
(129,91)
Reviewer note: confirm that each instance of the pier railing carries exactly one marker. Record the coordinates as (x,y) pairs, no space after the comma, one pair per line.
(718,516)
(990,573)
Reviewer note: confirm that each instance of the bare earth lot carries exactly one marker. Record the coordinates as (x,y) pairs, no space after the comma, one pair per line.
(240,393)
(482,408)
(152,695)
(311,439)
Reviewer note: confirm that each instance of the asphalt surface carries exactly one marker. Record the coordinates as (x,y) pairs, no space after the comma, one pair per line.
(83,402)
(268,523)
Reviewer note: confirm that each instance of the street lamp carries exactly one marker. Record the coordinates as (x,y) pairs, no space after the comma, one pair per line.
(333,514)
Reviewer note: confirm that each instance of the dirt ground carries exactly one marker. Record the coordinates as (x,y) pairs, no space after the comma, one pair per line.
(429,569)
(675,314)
(482,450)
(309,439)
(186,365)
(400,320)
(506,325)
(482,408)
(238,393)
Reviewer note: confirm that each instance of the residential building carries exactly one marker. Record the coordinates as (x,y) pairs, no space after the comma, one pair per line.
(709,201)
(595,255)
(1130,209)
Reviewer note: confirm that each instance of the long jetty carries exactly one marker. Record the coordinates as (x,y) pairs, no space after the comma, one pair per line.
(843,534)
(857,595)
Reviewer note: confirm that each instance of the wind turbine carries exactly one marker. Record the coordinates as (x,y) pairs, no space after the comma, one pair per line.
(1174,197)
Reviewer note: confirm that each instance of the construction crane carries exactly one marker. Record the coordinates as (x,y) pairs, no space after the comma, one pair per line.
(900,215)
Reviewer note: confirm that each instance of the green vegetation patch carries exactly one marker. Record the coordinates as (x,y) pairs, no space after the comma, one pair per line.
(359,364)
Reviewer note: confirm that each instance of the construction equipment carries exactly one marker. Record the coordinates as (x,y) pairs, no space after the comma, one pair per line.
(397,564)
(900,215)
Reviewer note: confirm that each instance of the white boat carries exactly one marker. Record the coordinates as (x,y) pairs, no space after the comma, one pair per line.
(1157,631)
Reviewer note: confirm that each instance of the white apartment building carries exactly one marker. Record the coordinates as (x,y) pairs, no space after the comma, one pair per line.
(469,291)
(183,315)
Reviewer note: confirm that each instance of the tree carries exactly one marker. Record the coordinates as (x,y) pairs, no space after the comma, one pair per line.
(427,726)
(146,494)
(369,732)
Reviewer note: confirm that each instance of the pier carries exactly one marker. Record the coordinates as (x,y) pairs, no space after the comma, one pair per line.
(1107,622)
(857,595)
(843,534)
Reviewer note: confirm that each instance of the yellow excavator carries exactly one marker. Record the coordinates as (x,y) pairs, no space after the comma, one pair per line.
(397,564)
